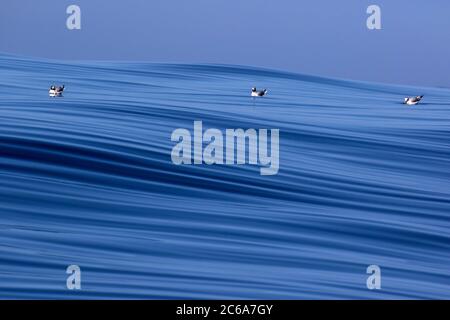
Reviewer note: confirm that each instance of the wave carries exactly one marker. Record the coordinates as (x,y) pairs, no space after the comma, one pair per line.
(87,179)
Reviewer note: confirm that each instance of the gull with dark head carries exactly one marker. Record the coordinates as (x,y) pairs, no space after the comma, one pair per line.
(256,93)
(411,101)
(55,91)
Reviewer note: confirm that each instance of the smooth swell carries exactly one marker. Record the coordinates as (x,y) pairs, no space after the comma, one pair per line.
(87,179)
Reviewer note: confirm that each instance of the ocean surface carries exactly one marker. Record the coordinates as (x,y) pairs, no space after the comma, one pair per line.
(87,179)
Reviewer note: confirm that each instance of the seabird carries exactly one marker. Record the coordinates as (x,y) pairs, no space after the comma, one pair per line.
(410,101)
(256,93)
(56,91)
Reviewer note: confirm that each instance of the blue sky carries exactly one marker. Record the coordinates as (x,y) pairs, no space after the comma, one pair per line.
(323,37)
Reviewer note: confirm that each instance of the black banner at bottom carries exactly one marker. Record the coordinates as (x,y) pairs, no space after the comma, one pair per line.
(224,309)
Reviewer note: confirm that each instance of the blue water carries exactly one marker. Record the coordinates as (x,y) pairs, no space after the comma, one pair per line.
(87,179)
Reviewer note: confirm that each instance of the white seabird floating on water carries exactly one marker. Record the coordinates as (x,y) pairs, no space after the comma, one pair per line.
(256,93)
(411,101)
(56,91)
